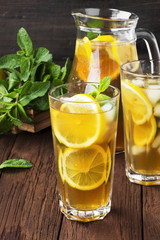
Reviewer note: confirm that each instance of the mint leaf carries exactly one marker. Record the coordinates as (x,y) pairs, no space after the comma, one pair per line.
(95,87)
(104,84)
(16,163)
(25,68)
(22,114)
(101,97)
(15,121)
(5,123)
(12,95)
(95,23)
(42,55)
(3,92)
(46,78)
(7,105)
(36,89)
(14,79)
(40,103)
(4,83)
(24,42)
(93,94)
(54,70)
(10,61)
(66,70)
(92,35)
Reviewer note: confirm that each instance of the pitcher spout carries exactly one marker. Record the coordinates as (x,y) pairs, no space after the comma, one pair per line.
(96,19)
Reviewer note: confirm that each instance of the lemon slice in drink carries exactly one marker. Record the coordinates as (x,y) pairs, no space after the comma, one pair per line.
(106,57)
(118,51)
(136,102)
(145,133)
(79,122)
(83,55)
(88,168)
(60,164)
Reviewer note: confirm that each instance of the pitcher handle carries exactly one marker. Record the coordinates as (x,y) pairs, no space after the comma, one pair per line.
(150,41)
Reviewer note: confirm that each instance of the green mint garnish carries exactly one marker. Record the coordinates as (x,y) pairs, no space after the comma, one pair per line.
(103,85)
(16,163)
(95,23)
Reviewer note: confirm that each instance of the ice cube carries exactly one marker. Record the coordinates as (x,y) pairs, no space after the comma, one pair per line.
(139,83)
(110,111)
(63,99)
(152,93)
(156,142)
(157,110)
(136,150)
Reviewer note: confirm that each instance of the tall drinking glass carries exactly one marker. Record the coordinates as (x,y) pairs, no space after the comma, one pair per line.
(84,134)
(140,86)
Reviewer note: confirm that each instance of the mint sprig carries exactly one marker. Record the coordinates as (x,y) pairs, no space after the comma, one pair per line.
(29,75)
(94,23)
(16,163)
(103,85)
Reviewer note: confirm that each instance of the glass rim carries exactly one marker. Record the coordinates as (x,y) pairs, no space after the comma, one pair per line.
(80,12)
(143,76)
(86,83)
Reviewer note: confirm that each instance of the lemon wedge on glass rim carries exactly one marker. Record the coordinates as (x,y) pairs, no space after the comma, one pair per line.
(87,168)
(79,122)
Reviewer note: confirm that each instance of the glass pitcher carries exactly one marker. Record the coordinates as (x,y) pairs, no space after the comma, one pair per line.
(106,38)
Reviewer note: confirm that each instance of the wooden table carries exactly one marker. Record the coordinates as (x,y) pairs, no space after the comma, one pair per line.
(29,204)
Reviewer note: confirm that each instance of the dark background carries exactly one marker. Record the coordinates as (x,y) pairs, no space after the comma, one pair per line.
(50,24)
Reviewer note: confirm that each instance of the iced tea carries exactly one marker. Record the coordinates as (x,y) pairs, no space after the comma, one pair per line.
(84,134)
(141,103)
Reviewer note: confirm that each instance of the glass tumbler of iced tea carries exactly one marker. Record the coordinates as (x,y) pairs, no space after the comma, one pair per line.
(140,87)
(84,126)
(106,38)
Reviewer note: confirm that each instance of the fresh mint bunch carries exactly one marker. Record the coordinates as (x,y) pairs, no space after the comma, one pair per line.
(98,92)
(29,75)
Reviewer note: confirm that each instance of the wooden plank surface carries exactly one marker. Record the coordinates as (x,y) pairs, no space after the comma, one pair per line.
(151,210)
(29,199)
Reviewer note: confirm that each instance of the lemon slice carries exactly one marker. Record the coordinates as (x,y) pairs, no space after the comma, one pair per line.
(60,164)
(126,52)
(107,56)
(83,54)
(118,51)
(145,133)
(86,169)
(87,46)
(104,38)
(79,122)
(136,102)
